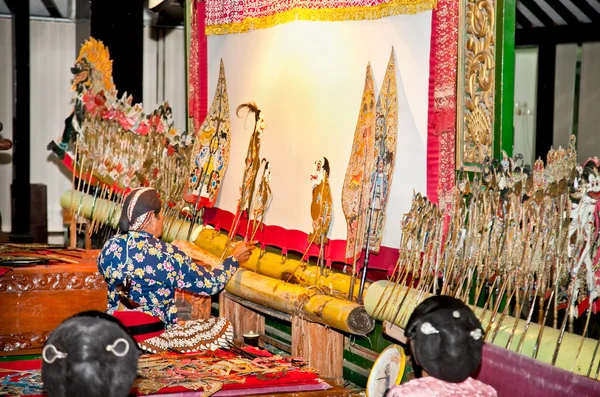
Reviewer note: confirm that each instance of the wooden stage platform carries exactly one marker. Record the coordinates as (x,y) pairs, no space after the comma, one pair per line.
(36,299)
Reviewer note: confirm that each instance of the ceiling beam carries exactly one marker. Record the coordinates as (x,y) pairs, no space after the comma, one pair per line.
(588,10)
(563,34)
(540,14)
(52,9)
(10,4)
(523,21)
(563,12)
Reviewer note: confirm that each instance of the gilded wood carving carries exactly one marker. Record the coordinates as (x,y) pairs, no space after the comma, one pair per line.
(475,112)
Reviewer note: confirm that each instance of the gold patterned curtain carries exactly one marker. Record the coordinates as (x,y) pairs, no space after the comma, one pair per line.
(237,16)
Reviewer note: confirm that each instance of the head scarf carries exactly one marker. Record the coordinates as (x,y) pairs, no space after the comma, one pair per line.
(447,338)
(137,209)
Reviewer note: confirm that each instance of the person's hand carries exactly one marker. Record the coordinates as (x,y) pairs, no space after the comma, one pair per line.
(243,250)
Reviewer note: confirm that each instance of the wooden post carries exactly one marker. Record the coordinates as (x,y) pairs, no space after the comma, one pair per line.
(243,319)
(320,346)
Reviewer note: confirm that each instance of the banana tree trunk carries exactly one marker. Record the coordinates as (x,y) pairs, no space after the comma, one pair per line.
(300,301)
(270,264)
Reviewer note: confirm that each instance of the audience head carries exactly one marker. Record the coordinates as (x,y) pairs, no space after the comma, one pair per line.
(90,354)
(446,338)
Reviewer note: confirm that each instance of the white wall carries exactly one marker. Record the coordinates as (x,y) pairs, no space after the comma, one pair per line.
(51,50)
(588,134)
(564,93)
(164,71)
(526,64)
(308,79)
(52,54)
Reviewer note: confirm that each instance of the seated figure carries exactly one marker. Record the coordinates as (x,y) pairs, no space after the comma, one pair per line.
(143,272)
(90,354)
(446,340)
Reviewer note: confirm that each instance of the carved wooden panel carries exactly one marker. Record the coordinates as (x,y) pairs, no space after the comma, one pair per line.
(24,341)
(14,282)
(476,80)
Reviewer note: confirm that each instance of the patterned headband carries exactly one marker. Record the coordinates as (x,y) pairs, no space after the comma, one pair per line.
(141,221)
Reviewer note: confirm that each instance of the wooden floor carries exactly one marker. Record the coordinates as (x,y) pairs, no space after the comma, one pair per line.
(337,391)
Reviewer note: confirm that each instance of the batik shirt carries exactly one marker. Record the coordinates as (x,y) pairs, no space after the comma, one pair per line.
(155,269)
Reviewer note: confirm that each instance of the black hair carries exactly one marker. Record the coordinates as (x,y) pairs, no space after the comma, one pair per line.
(446,338)
(147,201)
(90,354)
(326,165)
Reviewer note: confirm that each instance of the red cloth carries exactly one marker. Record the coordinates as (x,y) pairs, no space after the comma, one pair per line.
(4,270)
(441,129)
(198,65)
(297,241)
(131,318)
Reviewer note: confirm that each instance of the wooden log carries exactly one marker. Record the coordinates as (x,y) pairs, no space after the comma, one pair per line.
(568,351)
(243,319)
(270,264)
(320,346)
(306,303)
(105,209)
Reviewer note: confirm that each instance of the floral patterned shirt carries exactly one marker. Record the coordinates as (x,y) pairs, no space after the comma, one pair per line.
(432,387)
(156,269)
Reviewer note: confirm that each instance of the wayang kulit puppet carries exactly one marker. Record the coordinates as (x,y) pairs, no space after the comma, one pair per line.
(320,208)
(386,132)
(262,199)
(369,175)
(251,167)
(355,193)
(211,151)
(321,204)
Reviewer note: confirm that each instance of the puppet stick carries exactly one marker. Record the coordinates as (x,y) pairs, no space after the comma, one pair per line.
(517,313)
(73,177)
(592,360)
(564,325)
(171,213)
(531,310)
(92,212)
(87,191)
(404,241)
(543,325)
(100,206)
(79,186)
(587,323)
(504,313)
(497,305)
(110,194)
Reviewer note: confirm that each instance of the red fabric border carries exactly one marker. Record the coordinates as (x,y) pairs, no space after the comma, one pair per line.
(297,241)
(198,66)
(202,62)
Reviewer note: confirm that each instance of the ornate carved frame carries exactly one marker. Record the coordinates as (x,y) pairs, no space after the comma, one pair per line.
(476,83)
